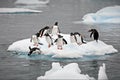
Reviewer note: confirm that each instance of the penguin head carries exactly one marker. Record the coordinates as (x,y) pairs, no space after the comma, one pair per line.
(77,33)
(92,30)
(56,23)
(71,34)
(59,36)
(46,34)
(47,27)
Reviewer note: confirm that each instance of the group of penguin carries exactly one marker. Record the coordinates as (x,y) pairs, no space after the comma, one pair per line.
(48,32)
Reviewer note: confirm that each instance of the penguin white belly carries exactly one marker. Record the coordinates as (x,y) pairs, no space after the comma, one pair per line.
(79,39)
(35,40)
(72,39)
(60,42)
(54,30)
(48,40)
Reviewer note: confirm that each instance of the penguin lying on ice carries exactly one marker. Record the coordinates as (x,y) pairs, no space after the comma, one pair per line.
(60,41)
(95,34)
(34,49)
(49,40)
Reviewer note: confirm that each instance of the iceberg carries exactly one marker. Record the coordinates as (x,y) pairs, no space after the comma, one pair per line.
(70,71)
(102,73)
(106,15)
(32,2)
(17,10)
(71,50)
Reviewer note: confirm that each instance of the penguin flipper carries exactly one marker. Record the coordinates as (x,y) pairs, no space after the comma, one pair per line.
(59,30)
(82,40)
(40,43)
(52,43)
(55,40)
(91,34)
(75,38)
(29,47)
(37,49)
(30,52)
(64,41)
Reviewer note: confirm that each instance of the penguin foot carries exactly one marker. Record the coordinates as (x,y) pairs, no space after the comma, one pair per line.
(35,44)
(60,48)
(79,43)
(49,46)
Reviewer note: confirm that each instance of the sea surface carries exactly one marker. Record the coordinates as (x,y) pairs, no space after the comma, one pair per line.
(14,27)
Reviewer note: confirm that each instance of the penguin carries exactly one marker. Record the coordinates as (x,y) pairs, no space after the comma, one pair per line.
(55,29)
(94,33)
(72,38)
(43,31)
(34,49)
(60,41)
(49,40)
(78,38)
(34,39)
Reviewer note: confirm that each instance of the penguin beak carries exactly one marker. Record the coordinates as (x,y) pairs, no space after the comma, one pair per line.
(89,31)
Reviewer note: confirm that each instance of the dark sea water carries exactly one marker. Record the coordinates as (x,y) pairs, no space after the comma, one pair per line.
(14,27)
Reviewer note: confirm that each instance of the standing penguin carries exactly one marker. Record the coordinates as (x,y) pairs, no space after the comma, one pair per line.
(34,39)
(72,38)
(55,29)
(60,41)
(43,31)
(49,40)
(95,34)
(78,38)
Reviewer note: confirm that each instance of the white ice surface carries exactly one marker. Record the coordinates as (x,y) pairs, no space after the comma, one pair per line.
(17,10)
(72,72)
(71,50)
(102,73)
(32,2)
(106,15)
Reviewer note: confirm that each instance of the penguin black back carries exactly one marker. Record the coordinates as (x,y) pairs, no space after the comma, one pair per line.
(41,32)
(95,34)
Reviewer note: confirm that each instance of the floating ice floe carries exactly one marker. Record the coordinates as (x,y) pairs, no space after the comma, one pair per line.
(72,72)
(17,10)
(102,73)
(71,50)
(105,15)
(32,2)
